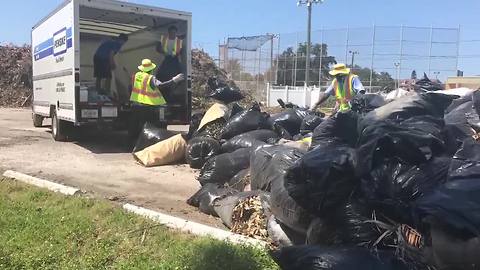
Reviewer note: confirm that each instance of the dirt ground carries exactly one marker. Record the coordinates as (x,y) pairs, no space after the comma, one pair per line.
(99,164)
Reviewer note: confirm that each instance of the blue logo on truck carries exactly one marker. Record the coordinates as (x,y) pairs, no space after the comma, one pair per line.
(56,45)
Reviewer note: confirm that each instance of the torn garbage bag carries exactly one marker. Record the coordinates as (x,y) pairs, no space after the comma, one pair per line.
(240,180)
(151,135)
(248,120)
(225,207)
(220,169)
(199,150)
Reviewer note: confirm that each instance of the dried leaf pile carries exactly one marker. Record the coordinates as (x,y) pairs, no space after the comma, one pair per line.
(15,75)
(249,220)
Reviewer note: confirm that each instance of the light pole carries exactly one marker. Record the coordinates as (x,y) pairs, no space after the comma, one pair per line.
(397,71)
(309,4)
(353,56)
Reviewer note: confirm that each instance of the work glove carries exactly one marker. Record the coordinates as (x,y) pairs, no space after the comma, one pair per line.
(180,77)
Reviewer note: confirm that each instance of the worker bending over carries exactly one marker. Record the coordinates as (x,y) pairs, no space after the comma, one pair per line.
(147,97)
(345,86)
(104,63)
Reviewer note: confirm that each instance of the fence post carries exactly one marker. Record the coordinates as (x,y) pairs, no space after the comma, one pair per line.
(458,50)
(430,51)
(346,46)
(321,58)
(278,58)
(286,93)
(269,85)
(401,55)
(373,55)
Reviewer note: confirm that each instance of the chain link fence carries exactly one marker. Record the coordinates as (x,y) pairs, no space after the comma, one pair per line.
(382,56)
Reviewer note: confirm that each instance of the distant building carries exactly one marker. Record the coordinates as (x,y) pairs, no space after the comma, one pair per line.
(472,82)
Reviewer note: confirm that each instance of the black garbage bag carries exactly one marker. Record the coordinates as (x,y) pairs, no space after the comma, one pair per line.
(310,257)
(457,203)
(224,207)
(220,169)
(367,103)
(451,249)
(463,114)
(309,123)
(248,120)
(426,85)
(388,139)
(151,135)
(194,124)
(199,150)
(207,194)
(240,180)
(454,135)
(466,161)
(394,185)
(222,92)
(476,101)
(433,104)
(323,178)
(339,129)
(252,138)
(282,205)
(290,120)
(264,170)
(353,224)
(235,109)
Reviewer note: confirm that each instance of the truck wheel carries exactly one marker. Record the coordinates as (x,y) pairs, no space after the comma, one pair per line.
(37,120)
(58,128)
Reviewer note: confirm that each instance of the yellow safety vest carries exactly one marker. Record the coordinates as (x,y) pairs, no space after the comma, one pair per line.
(143,93)
(344,93)
(177,45)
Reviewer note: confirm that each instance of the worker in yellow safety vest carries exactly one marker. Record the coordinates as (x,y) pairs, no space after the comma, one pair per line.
(146,97)
(171,47)
(344,86)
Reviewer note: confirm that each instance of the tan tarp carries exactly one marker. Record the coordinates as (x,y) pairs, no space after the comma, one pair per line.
(218,110)
(165,152)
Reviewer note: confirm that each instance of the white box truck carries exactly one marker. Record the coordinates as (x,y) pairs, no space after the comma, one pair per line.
(63,47)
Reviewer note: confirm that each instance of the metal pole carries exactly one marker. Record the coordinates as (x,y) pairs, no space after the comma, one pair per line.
(307,59)
(430,51)
(295,64)
(320,61)
(458,50)
(373,55)
(401,52)
(346,43)
(278,58)
(270,77)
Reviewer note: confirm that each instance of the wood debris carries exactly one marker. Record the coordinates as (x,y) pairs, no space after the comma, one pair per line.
(249,220)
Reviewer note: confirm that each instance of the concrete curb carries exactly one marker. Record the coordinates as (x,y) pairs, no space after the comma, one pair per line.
(41,183)
(193,227)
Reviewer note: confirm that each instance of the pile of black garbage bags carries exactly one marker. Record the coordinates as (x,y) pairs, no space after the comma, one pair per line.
(384,186)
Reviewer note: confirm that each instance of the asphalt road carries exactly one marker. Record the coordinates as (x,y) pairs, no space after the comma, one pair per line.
(99,163)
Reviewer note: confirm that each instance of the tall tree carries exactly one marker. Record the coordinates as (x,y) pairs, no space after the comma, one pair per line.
(291,60)
(414,75)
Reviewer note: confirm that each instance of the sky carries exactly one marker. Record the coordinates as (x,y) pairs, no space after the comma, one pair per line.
(214,20)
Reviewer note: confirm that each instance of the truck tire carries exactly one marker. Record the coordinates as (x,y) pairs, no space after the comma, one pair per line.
(37,120)
(58,128)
